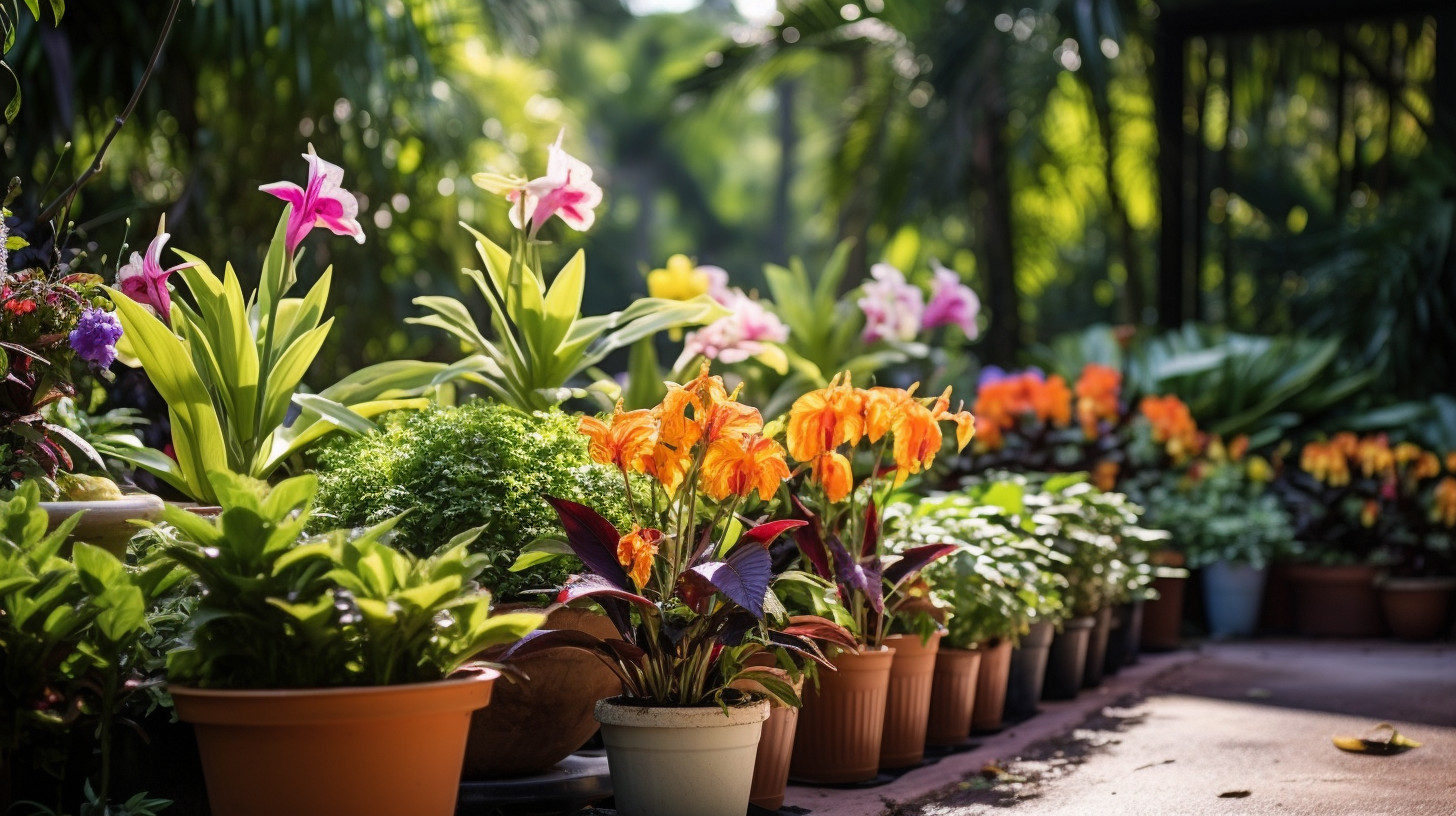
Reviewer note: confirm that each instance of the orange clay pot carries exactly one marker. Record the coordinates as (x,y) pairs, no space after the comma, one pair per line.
(953,696)
(907,706)
(843,720)
(991,685)
(361,751)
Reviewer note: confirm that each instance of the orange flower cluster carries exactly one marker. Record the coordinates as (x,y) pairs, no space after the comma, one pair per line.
(696,422)
(822,421)
(1173,426)
(1444,510)
(1098,390)
(635,551)
(1001,404)
(1333,461)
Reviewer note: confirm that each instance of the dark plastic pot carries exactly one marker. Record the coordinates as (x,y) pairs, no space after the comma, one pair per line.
(1097,648)
(1163,617)
(1028,670)
(1122,647)
(1232,594)
(1417,608)
(1338,601)
(1067,659)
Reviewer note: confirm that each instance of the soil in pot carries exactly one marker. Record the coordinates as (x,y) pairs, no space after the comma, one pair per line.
(952,696)
(1067,659)
(1232,594)
(367,751)
(907,703)
(1097,648)
(1028,671)
(675,761)
(537,721)
(1336,601)
(842,722)
(1163,616)
(991,685)
(1417,608)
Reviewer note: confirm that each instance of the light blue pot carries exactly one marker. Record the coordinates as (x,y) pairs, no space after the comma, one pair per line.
(1231,594)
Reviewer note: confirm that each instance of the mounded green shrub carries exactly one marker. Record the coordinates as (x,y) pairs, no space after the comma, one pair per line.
(477,464)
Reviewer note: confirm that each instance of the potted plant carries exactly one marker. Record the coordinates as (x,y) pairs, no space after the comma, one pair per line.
(687,587)
(844,720)
(992,588)
(1420,549)
(327,673)
(1227,523)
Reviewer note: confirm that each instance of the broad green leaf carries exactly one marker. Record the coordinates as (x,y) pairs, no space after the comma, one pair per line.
(289,371)
(334,412)
(563,301)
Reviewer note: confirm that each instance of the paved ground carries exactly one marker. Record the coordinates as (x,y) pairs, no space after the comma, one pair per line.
(1238,729)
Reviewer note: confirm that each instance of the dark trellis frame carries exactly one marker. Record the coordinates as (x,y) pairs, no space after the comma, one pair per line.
(1179,22)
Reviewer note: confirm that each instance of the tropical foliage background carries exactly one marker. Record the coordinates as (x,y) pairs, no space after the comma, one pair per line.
(1014,143)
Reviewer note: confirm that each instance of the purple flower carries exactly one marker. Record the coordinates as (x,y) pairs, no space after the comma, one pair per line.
(891,306)
(952,303)
(94,338)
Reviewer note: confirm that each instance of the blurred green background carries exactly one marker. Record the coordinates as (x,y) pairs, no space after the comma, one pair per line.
(1015,142)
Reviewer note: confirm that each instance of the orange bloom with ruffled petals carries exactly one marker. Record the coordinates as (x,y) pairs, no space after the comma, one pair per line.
(1098,390)
(1104,475)
(739,466)
(635,551)
(1173,425)
(826,418)
(917,440)
(677,428)
(832,472)
(1051,401)
(730,420)
(627,441)
(882,408)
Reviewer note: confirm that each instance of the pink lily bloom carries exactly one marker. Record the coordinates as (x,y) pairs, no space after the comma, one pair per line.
(567,190)
(952,303)
(892,307)
(743,334)
(145,281)
(322,204)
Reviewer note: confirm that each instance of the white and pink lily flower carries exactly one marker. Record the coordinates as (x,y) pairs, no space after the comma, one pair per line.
(323,203)
(145,281)
(566,191)
(952,303)
(892,306)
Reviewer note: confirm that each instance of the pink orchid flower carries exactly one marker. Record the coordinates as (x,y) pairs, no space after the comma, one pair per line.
(145,281)
(322,204)
(743,334)
(952,303)
(567,190)
(892,307)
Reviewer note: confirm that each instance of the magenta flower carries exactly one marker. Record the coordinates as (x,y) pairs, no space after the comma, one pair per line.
(322,204)
(952,303)
(891,306)
(743,334)
(567,190)
(145,281)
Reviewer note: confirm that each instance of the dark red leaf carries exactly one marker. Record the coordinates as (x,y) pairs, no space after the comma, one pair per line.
(766,533)
(742,577)
(871,544)
(914,560)
(593,539)
(811,543)
(695,591)
(590,586)
(820,629)
(799,645)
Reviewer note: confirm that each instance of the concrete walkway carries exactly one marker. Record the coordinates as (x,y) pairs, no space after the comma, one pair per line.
(1238,728)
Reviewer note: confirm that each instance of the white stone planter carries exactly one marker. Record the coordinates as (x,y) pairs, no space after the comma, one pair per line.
(678,761)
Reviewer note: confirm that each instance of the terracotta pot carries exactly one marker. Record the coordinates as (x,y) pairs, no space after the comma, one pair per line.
(672,761)
(1336,601)
(105,524)
(776,745)
(991,685)
(1028,671)
(364,751)
(534,723)
(953,696)
(843,720)
(1097,647)
(1417,608)
(1067,659)
(1163,617)
(907,705)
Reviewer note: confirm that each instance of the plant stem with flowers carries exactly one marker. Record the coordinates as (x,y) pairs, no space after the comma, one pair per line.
(689,585)
(841,541)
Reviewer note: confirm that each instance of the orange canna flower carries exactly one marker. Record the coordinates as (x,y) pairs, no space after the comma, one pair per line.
(831,471)
(1374,455)
(1369,513)
(882,407)
(1407,452)
(1051,400)
(627,441)
(1426,467)
(635,551)
(1173,425)
(917,440)
(668,465)
(729,420)
(965,422)
(1104,476)
(1238,447)
(824,419)
(677,428)
(738,466)
(708,389)
(1346,443)
(1451,462)
(1444,510)
(1097,390)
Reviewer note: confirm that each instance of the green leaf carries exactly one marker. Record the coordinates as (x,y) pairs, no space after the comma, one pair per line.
(563,302)
(334,412)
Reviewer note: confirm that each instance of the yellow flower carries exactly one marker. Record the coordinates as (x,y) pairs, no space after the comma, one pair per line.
(636,550)
(738,466)
(679,280)
(1259,469)
(1369,513)
(626,442)
(1444,510)
(917,440)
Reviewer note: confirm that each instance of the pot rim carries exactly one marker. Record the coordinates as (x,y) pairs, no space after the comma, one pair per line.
(480,676)
(611,712)
(1420,583)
